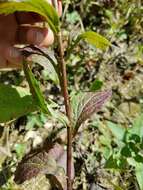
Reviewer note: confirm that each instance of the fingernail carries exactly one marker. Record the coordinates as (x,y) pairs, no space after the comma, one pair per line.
(13,53)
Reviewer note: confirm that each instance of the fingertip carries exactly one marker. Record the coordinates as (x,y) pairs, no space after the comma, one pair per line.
(40,36)
(49,38)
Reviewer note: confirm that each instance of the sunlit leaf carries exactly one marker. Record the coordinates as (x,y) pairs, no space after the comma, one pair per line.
(137,127)
(20,149)
(116,130)
(86,104)
(94,39)
(35,89)
(49,71)
(15,102)
(45,58)
(139,174)
(41,7)
(116,162)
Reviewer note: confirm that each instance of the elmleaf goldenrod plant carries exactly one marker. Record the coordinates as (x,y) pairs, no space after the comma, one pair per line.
(77,109)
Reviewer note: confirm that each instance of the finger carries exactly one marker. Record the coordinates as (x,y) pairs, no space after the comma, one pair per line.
(35,35)
(27,18)
(12,55)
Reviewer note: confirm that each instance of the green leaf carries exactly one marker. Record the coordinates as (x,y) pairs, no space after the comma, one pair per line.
(94,39)
(49,70)
(139,174)
(116,130)
(105,141)
(60,117)
(133,147)
(137,127)
(20,150)
(111,163)
(33,120)
(96,85)
(45,58)
(135,138)
(141,144)
(105,151)
(126,151)
(116,162)
(138,158)
(86,104)
(41,7)
(15,102)
(35,89)
(73,17)
(116,187)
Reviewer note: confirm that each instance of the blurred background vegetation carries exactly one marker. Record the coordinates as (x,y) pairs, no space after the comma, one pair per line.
(108,150)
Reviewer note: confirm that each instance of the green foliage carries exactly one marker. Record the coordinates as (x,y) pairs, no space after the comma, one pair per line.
(35,89)
(139,174)
(45,58)
(96,85)
(20,150)
(138,126)
(72,17)
(49,72)
(117,130)
(129,148)
(94,39)
(15,102)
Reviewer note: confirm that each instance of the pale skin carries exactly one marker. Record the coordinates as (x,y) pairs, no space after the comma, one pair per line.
(19,29)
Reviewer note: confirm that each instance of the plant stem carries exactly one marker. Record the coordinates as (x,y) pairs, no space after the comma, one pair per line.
(67,108)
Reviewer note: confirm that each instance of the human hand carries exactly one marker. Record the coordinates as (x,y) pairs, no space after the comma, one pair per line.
(19,29)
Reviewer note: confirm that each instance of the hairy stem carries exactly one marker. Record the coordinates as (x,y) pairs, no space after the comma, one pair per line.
(68,109)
